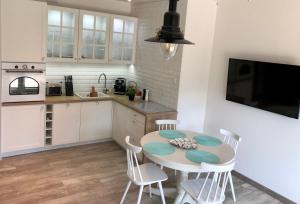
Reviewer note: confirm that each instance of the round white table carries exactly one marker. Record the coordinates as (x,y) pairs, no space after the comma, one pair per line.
(178,160)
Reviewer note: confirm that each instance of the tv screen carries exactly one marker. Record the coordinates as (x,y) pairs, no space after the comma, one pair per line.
(267,86)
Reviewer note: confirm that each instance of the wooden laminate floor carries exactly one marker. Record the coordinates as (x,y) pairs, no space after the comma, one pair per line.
(85,174)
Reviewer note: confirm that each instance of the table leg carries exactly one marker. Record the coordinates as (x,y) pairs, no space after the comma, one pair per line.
(172,192)
(183,176)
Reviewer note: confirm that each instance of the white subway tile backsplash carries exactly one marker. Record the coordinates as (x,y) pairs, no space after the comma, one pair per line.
(86,75)
(151,71)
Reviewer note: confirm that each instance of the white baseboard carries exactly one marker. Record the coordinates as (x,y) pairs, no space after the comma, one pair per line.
(50,147)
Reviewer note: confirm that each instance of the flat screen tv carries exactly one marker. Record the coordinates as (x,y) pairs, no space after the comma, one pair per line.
(267,86)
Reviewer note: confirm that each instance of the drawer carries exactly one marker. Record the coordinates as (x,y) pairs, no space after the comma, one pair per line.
(136,116)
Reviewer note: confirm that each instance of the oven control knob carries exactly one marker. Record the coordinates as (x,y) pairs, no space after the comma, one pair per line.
(32,67)
(25,66)
(16,67)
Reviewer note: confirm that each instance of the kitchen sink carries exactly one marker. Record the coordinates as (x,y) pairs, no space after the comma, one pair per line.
(86,95)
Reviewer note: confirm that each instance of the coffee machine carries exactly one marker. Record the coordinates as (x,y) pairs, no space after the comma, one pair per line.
(120,86)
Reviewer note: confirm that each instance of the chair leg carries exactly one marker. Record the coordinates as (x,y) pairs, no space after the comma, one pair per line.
(232,188)
(162,193)
(184,195)
(126,191)
(140,194)
(150,191)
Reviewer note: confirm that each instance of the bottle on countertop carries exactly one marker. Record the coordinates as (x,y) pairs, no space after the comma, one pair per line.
(146,95)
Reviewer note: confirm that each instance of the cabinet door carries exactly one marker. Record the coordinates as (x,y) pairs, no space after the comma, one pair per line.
(62,34)
(93,37)
(66,123)
(22,127)
(136,130)
(123,39)
(120,114)
(96,120)
(23,27)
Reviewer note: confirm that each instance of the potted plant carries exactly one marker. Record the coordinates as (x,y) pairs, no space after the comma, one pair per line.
(131,93)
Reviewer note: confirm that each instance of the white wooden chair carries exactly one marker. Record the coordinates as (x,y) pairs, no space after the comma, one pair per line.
(141,175)
(166,124)
(233,140)
(211,188)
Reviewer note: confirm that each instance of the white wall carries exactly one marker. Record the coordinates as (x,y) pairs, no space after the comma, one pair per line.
(264,30)
(151,70)
(111,6)
(200,24)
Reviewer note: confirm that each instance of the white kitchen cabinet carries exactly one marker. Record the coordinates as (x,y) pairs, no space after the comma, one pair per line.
(23,30)
(127,122)
(62,34)
(122,39)
(96,120)
(119,124)
(93,37)
(22,127)
(66,123)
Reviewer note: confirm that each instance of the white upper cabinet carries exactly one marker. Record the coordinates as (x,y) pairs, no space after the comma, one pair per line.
(81,36)
(62,34)
(93,37)
(122,39)
(23,30)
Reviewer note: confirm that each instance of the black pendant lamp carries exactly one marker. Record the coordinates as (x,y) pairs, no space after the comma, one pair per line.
(170,34)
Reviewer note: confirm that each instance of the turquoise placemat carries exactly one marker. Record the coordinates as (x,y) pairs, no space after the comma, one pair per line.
(207,140)
(202,156)
(171,134)
(159,148)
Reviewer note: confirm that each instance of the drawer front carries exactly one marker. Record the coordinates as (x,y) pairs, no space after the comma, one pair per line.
(136,116)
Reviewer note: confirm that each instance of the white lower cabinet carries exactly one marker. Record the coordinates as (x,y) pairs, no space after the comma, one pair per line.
(127,122)
(96,120)
(66,123)
(22,127)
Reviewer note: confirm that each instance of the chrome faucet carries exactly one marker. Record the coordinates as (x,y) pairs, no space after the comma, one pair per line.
(105,90)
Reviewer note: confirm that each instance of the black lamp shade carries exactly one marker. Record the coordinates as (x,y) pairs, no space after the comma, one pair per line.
(170,32)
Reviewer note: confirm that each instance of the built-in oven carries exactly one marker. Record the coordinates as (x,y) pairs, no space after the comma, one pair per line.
(23,82)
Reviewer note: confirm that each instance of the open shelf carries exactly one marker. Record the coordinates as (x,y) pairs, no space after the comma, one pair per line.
(48,125)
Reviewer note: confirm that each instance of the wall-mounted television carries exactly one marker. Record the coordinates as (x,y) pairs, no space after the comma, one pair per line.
(268,86)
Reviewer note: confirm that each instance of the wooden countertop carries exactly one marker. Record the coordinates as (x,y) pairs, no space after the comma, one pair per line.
(143,107)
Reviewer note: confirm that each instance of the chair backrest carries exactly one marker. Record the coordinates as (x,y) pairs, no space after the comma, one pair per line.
(231,138)
(167,124)
(134,171)
(215,182)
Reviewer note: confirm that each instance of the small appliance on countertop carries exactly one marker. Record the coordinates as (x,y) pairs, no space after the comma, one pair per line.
(69,85)
(146,95)
(120,86)
(54,89)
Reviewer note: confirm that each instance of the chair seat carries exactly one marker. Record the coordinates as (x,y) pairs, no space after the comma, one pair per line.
(151,173)
(193,187)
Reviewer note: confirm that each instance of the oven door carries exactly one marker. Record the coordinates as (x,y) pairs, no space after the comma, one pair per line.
(22,86)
